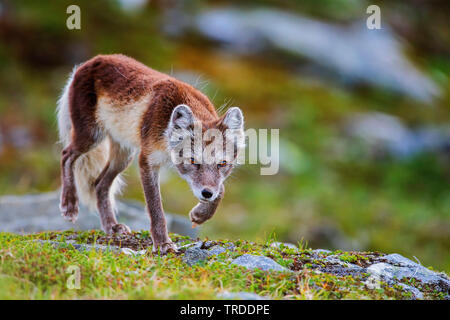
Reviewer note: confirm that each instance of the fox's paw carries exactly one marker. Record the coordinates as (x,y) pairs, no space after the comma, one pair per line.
(200,213)
(69,207)
(120,229)
(164,248)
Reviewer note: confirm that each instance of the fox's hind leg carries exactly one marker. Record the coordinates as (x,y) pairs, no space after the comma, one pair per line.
(119,159)
(83,157)
(85,135)
(69,199)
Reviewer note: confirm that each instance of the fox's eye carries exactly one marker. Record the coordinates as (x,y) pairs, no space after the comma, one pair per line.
(197,165)
(222,164)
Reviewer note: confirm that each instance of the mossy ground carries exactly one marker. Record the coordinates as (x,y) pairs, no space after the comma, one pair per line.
(34,270)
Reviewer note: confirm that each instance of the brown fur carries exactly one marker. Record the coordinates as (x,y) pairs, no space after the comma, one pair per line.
(124,79)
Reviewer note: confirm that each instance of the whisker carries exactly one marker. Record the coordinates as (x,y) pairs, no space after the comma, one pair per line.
(206,83)
(225,105)
(215,94)
(197,81)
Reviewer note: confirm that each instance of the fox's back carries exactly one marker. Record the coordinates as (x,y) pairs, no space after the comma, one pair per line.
(121,78)
(123,93)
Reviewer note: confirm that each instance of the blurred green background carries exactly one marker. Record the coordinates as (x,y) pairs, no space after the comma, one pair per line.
(363,114)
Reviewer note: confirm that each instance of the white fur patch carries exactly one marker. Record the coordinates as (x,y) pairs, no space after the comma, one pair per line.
(62,109)
(122,122)
(88,167)
(158,158)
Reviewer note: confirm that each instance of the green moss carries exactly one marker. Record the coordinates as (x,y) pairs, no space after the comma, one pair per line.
(39,271)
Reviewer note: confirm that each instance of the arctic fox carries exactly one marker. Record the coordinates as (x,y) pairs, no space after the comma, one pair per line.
(114,107)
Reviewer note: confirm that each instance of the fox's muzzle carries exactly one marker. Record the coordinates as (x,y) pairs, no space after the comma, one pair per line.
(206,209)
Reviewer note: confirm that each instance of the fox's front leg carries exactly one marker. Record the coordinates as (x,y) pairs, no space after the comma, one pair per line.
(205,210)
(158,228)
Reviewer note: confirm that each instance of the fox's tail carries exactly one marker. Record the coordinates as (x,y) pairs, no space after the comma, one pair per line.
(88,166)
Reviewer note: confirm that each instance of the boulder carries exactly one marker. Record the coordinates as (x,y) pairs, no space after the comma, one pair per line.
(278,245)
(216,250)
(250,261)
(383,134)
(396,267)
(194,255)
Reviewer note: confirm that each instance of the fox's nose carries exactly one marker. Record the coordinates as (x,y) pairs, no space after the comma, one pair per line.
(206,193)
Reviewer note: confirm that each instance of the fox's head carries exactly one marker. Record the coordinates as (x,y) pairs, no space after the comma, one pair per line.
(204,154)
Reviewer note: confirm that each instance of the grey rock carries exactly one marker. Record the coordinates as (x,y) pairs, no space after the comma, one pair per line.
(250,261)
(334,259)
(398,259)
(385,134)
(40,212)
(286,244)
(230,246)
(242,295)
(390,273)
(415,292)
(194,255)
(343,271)
(216,250)
(321,251)
(208,244)
(197,244)
(131,252)
(341,268)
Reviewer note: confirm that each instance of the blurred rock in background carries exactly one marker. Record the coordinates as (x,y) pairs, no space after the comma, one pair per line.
(353,53)
(40,212)
(388,135)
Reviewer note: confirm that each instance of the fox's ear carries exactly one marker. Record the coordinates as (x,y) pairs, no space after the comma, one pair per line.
(234,123)
(180,125)
(182,117)
(234,119)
